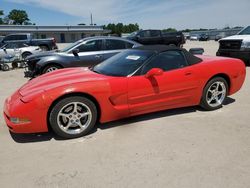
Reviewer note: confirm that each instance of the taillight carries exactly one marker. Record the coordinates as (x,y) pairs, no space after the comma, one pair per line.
(54,40)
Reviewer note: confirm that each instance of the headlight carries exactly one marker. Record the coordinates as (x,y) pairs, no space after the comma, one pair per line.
(245,45)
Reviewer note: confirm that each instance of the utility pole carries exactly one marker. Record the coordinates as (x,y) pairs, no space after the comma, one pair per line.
(91,19)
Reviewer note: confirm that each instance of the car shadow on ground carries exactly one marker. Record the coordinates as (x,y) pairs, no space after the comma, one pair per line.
(42,137)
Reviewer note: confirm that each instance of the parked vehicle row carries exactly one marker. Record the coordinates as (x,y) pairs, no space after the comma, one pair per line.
(15,52)
(119,78)
(27,38)
(149,37)
(199,37)
(83,53)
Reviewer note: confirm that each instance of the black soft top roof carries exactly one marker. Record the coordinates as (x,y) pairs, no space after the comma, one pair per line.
(191,59)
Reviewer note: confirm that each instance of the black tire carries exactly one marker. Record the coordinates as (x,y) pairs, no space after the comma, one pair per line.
(5,67)
(173,45)
(54,117)
(205,95)
(44,48)
(22,65)
(50,68)
(26,54)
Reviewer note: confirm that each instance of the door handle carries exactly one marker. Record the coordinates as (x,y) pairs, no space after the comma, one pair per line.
(98,56)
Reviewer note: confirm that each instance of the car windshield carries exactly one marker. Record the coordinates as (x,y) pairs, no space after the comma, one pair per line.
(245,31)
(133,34)
(67,48)
(124,63)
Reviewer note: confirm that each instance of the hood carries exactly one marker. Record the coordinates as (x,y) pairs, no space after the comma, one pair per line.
(237,37)
(43,54)
(59,78)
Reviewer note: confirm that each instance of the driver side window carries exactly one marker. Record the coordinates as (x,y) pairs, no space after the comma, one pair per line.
(90,46)
(166,61)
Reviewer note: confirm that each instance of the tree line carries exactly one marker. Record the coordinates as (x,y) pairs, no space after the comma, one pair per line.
(120,28)
(15,17)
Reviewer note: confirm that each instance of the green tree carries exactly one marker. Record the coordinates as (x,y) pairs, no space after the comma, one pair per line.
(120,28)
(170,30)
(19,17)
(1,14)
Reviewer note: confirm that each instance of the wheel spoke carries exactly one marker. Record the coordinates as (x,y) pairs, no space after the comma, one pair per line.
(64,115)
(217,86)
(75,107)
(210,100)
(84,114)
(68,126)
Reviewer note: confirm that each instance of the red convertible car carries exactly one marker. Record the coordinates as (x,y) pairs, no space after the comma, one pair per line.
(133,82)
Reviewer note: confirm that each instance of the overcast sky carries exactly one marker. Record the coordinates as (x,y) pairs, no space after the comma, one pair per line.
(180,14)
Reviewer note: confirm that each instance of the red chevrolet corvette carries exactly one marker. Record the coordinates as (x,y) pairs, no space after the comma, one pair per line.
(136,81)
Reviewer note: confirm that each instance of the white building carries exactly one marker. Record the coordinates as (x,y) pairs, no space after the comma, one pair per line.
(62,34)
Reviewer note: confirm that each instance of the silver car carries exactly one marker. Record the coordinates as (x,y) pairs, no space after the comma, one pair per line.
(83,53)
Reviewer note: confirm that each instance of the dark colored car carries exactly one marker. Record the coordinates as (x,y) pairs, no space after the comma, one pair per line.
(27,38)
(83,53)
(151,37)
(203,37)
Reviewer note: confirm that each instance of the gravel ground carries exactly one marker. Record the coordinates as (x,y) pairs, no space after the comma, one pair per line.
(176,148)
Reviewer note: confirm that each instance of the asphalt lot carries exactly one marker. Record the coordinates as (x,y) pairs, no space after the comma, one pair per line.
(177,148)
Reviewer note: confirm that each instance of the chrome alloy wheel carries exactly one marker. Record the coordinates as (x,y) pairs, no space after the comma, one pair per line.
(216,94)
(50,69)
(74,117)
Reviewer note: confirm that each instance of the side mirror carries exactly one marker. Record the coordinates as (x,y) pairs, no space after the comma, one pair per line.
(4,49)
(75,52)
(154,72)
(196,51)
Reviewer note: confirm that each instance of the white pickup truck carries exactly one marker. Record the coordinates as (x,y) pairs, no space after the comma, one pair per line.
(236,46)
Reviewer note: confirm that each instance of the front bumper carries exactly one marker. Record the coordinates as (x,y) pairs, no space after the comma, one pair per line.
(243,55)
(15,108)
(28,74)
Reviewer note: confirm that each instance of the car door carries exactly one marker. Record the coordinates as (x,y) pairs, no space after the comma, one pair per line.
(90,53)
(115,46)
(10,49)
(156,37)
(144,37)
(176,87)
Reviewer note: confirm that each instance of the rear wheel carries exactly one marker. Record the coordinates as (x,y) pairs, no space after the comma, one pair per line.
(73,117)
(26,54)
(51,68)
(214,93)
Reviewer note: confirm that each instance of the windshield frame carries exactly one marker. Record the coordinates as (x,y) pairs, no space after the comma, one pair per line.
(246,28)
(72,46)
(134,34)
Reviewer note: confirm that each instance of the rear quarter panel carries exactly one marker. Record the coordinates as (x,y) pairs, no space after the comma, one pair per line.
(234,69)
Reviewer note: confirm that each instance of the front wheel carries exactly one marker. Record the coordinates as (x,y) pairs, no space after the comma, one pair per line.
(73,117)
(214,94)
(51,68)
